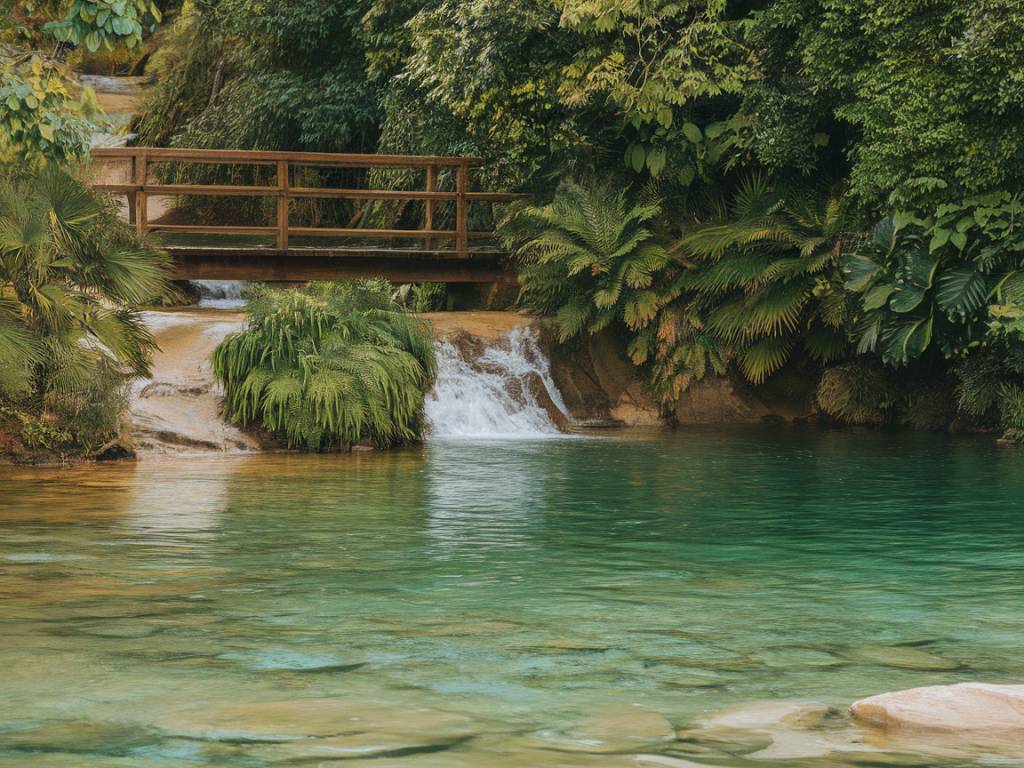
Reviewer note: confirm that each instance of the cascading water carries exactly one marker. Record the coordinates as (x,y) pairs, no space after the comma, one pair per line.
(221,294)
(178,409)
(503,392)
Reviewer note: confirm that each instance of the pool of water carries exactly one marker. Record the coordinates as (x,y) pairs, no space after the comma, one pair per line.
(594,602)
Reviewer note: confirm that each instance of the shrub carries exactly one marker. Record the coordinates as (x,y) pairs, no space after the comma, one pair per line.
(72,280)
(860,392)
(327,366)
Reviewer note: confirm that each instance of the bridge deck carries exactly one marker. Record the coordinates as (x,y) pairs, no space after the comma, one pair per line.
(286,251)
(299,263)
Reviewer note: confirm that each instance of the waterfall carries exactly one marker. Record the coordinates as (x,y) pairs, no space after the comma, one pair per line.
(502,391)
(221,294)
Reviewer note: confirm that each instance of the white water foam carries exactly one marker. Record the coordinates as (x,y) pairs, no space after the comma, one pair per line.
(493,397)
(221,294)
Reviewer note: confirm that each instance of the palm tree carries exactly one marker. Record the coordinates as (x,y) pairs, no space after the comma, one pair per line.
(72,278)
(328,365)
(765,272)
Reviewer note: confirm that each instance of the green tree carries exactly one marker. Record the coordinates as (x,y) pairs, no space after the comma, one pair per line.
(923,98)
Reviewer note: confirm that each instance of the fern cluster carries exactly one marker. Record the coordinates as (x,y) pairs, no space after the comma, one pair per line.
(327,366)
(765,269)
(752,281)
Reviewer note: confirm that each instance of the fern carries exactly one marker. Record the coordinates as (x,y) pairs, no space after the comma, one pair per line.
(589,257)
(767,269)
(327,366)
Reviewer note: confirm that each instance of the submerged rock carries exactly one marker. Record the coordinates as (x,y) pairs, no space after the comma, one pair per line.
(900,657)
(949,708)
(613,730)
(771,730)
(77,737)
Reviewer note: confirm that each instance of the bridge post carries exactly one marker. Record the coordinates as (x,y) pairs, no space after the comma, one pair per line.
(282,205)
(141,204)
(461,218)
(428,217)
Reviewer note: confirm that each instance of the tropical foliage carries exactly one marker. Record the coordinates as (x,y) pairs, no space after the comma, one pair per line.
(72,280)
(939,281)
(328,366)
(765,272)
(590,257)
(44,115)
(831,184)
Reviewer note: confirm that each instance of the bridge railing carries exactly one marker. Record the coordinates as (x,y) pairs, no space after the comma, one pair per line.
(140,186)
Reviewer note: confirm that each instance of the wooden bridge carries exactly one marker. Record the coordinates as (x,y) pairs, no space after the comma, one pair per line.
(430,239)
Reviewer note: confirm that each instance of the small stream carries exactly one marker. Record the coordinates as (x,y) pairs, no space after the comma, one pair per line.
(485,390)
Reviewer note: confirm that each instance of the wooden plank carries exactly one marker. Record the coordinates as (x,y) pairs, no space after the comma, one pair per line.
(371,233)
(325,192)
(256,157)
(370,194)
(212,229)
(213,190)
(141,203)
(337,251)
(297,265)
(428,214)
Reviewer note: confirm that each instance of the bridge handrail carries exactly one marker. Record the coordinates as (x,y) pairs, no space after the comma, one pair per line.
(140,187)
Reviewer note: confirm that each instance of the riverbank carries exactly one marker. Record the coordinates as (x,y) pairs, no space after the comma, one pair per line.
(581,384)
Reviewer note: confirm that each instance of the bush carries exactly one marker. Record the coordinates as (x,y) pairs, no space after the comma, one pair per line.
(990,389)
(72,280)
(860,392)
(328,365)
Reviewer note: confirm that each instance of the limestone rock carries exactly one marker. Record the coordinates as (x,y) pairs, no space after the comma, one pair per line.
(951,708)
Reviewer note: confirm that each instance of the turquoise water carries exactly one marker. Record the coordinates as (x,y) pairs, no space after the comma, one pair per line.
(558,603)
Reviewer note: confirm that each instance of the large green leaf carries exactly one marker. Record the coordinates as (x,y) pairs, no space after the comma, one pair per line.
(962,291)
(859,272)
(904,340)
(906,298)
(876,297)
(921,269)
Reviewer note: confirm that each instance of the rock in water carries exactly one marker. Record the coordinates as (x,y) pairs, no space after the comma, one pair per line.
(951,708)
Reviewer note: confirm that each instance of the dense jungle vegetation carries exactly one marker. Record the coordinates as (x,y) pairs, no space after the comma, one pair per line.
(827,186)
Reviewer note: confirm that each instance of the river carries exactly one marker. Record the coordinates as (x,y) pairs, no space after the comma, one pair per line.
(594,601)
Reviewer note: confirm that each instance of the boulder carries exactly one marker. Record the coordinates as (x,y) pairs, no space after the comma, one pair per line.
(950,708)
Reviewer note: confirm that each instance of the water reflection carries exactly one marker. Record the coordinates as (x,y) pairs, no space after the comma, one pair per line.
(169,507)
(543,604)
(483,496)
